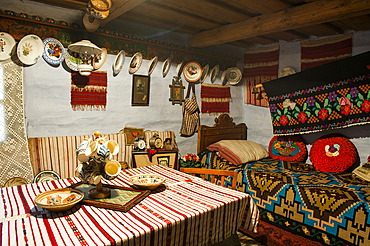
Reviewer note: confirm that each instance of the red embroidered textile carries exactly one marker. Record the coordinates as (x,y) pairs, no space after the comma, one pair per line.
(320,52)
(260,65)
(89,93)
(215,98)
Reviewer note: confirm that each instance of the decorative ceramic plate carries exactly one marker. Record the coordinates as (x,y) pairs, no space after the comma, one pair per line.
(135,62)
(214,73)
(179,69)
(118,62)
(7,43)
(30,49)
(286,71)
(234,75)
(204,73)
(99,59)
(192,71)
(152,64)
(47,175)
(59,199)
(15,181)
(224,77)
(54,51)
(72,60)
(147,181)
(166,66)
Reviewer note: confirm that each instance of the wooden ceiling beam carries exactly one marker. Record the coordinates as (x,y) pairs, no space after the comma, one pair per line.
(120,7)
(291,18)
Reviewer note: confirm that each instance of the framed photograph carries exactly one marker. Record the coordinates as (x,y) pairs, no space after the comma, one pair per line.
(140,90)
(168,158)
(115,202)
(177,91)
(140,159)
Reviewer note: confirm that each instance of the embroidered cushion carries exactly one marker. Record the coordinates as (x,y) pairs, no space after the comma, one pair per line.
(333,153)
(288,148)
(239,151)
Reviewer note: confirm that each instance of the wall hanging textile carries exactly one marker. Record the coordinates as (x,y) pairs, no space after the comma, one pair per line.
(320,52)
(215,98)
(89,93)
(14,155)
(333,95)
(113,41)
(260,65)
(190,112)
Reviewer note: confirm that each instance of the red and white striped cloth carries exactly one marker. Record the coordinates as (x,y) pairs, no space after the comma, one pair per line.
(190,211)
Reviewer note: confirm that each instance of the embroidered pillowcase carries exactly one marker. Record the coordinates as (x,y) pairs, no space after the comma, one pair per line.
(239,151)
(288,148)
(333,153)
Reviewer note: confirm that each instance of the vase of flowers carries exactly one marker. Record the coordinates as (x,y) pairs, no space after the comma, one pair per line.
(189,160)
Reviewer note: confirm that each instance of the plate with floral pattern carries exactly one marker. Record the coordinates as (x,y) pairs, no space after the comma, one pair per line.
(166,66)
(135,62)
(58,200)
(7,43)
(30,49)
(192,71)
(214,73)
(15,181)
(47,175)
(72,60)
(152,64)
(99,59)
(119,60)
(234,75)
(54,51)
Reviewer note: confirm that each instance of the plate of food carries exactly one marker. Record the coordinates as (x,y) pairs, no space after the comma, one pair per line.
(7,44)
(58,200)
(99,59)
(166,66)
(119,60)
(72,60)
(192,71)
(135,62)
(54,51)
(214,73)
(30,49)
(204,73)
(44,176)
(152,64)
(147,181)
(234,75)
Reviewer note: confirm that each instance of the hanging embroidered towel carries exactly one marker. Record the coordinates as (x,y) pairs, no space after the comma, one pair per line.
(215,98)
(89,93)
(190,112)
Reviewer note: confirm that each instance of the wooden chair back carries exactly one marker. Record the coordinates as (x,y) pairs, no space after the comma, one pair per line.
(213,172)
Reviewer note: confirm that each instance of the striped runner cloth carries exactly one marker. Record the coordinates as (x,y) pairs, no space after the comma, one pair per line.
(190,211)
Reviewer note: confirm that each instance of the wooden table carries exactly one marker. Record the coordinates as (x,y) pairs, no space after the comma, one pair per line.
(190,211)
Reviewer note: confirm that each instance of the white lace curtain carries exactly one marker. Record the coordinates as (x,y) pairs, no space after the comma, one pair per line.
(14,154)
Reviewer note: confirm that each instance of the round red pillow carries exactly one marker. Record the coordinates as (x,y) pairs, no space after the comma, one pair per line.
(288,148)
(333,153)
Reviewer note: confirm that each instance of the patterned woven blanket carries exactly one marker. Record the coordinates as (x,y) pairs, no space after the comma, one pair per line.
(332,209)
(333,95)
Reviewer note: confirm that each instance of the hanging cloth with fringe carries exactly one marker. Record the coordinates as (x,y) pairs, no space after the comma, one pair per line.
(190,112)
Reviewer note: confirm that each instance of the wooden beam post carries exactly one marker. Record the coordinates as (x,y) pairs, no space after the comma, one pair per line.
(296,17)
(120,7)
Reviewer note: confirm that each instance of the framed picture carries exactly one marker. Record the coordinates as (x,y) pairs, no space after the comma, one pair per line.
(177,91)
(140,90)
(140,159)
(168,158)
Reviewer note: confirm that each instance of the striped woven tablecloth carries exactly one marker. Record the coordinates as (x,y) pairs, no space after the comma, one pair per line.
(190,211)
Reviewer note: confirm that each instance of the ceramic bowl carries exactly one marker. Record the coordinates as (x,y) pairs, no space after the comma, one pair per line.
(59,199)
(147,181)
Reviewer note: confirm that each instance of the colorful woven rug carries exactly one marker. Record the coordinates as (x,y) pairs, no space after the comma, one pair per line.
(215,98)
(333,95)
(320,52)
(260,65)
(89,93)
